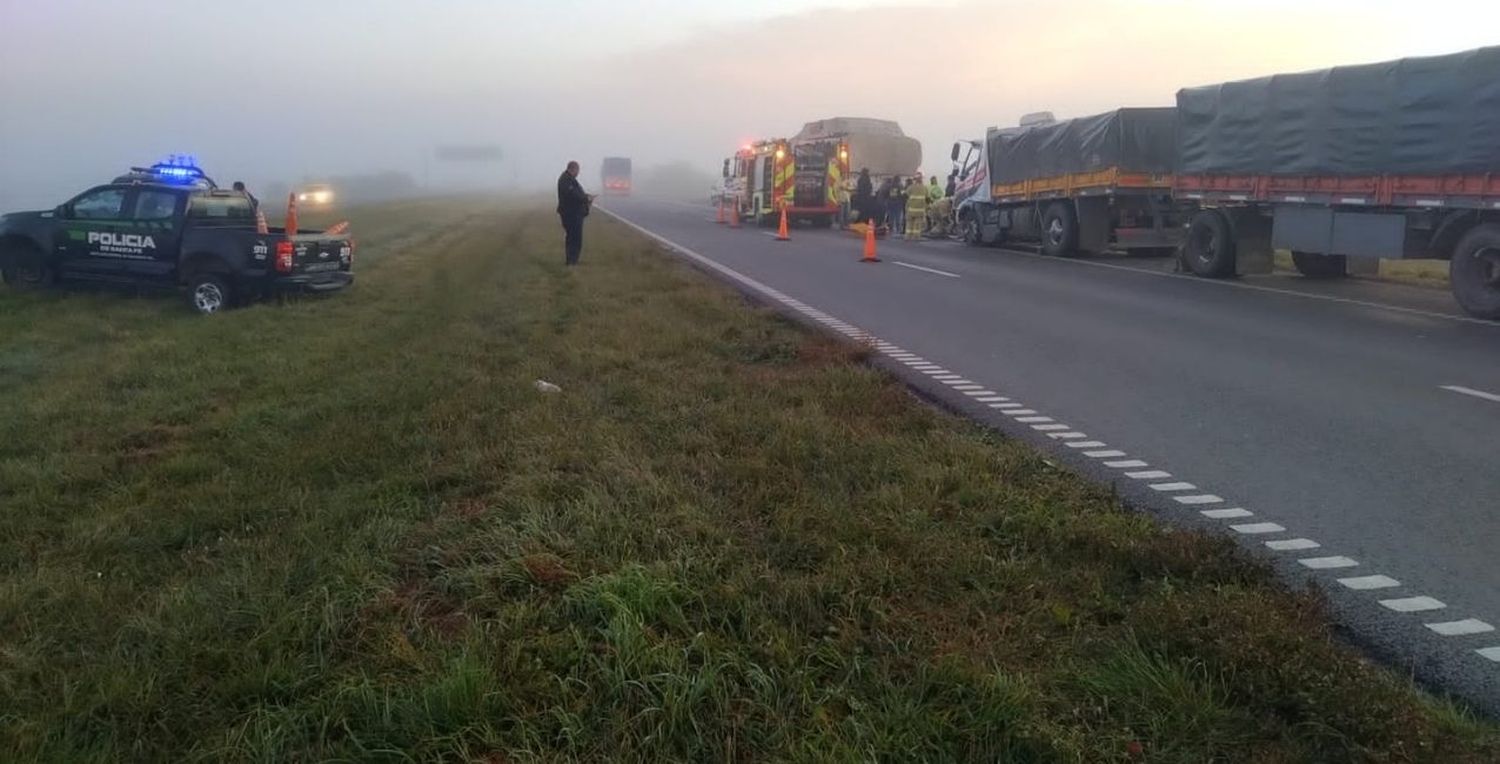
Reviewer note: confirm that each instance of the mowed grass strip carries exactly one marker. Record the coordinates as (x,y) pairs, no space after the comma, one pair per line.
(352,529)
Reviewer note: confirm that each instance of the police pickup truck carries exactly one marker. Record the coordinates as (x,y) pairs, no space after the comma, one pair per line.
(170,225)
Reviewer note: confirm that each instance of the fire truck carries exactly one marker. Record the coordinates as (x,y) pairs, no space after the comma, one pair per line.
(765,176)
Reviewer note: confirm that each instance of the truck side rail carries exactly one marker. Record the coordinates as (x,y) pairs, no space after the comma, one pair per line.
(1099,182)
(1421,191)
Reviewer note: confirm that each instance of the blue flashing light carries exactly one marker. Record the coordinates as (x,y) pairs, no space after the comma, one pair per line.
(178,168)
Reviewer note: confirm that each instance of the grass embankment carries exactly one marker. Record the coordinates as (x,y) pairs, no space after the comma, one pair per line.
(351,528)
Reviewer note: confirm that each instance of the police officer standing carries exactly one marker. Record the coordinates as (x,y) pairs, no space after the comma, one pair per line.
(572,206)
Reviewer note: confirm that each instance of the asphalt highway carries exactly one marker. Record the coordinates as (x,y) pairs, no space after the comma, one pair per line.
(1348,431)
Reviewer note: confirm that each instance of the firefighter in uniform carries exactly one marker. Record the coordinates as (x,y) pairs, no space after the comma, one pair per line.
(916,209)
(939,209)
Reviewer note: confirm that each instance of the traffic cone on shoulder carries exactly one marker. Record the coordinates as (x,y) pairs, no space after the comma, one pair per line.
(720,217)
(291,214)
(781,232)
(734,216)
(870,244)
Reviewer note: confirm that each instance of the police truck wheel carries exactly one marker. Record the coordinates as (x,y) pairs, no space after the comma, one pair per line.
(1060,230)
(209,293)
(25,269)
(1315,266)
(1475,272)
(1210,245)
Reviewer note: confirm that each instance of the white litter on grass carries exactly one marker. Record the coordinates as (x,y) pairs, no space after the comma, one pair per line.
(544,386)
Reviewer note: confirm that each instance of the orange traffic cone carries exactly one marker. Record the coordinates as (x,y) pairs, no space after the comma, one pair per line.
(781,233)
(720,218)
(337,228)
(734,215)
(870,244)
(291,214)
(261,226)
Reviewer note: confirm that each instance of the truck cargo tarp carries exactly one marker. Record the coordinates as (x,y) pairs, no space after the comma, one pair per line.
(1416,116)
(878,145)
(1134,140)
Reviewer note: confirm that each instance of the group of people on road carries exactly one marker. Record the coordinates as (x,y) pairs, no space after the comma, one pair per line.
(903,206)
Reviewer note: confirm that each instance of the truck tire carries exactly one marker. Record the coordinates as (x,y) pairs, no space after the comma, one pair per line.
(1315,266)
(1475,272)
(1209,250)
(26,269)
(968,226)
(1060,230)
(209,293)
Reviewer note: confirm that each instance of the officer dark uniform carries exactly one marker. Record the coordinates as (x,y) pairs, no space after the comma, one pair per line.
(572,206)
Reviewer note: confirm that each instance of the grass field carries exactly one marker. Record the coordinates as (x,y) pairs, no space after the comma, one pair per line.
(351,529)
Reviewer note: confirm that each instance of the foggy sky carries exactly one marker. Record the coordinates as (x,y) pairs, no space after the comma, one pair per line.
(279,90)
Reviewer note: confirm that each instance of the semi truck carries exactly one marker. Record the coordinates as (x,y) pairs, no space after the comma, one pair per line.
(1080,185)
(614,176)
(1399,159)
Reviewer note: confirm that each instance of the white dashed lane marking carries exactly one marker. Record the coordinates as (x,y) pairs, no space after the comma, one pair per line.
(1173,487)
(1472,392)
(1225,514)
(1461,628)
(1255,529)
(1362,583)
(928,270)
(1327,563)
(1292,545)
(1140,469)
(1200,499)
(1413,604)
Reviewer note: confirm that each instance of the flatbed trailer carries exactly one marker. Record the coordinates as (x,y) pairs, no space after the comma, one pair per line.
(1393,160)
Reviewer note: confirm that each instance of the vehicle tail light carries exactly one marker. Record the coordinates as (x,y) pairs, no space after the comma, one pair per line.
(284,257)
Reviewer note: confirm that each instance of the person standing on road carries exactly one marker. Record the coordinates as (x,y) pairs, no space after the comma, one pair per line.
(572,206)
(916,208)
(895,207)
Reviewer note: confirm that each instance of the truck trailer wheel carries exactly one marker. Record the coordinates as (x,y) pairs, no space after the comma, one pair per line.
(1475,272)
(1209,250)
(1315,266)
(1060,230)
